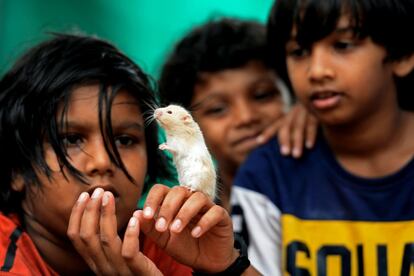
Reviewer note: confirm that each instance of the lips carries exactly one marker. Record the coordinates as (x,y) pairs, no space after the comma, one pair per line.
(325,99)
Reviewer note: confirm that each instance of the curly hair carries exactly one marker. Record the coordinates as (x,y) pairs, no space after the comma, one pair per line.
(225,43)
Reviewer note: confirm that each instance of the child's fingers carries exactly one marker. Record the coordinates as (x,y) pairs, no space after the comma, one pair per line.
(298,131)
(311,131)
(110,241)
(137,262)
(269,131)
(131,238)
(154,199)
(170,206)
(284,133)
(74,228)
(89,232)
(196,204)
(207,221)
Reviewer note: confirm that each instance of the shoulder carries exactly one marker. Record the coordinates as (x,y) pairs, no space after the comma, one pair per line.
(271,174)
(18,254)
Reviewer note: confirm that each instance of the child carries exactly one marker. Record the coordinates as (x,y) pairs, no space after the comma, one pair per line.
(219,71)
(74,156)
(346,207)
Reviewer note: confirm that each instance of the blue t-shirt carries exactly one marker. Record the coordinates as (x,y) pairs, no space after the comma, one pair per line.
(314,217)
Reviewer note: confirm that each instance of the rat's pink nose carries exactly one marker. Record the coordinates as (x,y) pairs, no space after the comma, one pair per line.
(158,113)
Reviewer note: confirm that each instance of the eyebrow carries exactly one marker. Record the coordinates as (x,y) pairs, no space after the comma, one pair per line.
(115,125)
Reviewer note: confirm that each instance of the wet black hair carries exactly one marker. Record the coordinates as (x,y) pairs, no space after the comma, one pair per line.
(219,44)
(386,22)
(41,82)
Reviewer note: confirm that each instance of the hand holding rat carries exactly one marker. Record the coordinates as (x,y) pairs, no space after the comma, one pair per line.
(190,228)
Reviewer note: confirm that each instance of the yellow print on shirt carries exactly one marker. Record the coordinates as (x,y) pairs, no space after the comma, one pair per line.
(360,248)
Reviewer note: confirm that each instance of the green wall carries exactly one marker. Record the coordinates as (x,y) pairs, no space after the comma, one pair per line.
(144,29)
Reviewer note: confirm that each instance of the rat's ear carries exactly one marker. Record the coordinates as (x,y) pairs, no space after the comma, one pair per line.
(186,119)
(17,183)
(404,66)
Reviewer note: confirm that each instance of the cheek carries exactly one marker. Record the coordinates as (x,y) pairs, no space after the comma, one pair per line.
(215,134)
(137,165)
(51,159)
(52,204)
(271,111)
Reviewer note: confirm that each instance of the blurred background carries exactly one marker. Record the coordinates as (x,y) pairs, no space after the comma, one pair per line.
(145,30)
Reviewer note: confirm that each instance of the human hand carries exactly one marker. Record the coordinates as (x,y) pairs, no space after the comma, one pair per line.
(296,129)
(189,227)
(93,231)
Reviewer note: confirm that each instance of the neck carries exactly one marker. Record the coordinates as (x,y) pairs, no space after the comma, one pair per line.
(372,147)
(56,251)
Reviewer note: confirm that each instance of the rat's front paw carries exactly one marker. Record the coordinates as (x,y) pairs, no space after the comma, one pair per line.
(163,146)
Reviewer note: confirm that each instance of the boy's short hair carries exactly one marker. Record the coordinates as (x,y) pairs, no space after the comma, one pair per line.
(386,22)
(41,81)
(227,43)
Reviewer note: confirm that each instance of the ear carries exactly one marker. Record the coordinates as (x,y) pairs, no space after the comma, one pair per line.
(186,119)
(404,66)
(17,183)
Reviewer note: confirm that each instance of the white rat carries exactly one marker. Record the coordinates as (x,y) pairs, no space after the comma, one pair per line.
(185,141)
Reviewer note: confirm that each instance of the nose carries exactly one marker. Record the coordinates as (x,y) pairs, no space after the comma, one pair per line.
(244,113)
(157,113)
(98,160)
(320,65)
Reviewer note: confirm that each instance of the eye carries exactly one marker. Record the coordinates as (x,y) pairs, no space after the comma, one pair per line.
(125,140)
(216,110)
(297,52)
(71,140)
(169,111)
(265,94)
(343,45)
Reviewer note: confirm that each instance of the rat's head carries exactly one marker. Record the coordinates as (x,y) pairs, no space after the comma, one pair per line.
(174,118)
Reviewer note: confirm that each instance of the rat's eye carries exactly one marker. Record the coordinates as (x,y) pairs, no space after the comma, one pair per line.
(169,112)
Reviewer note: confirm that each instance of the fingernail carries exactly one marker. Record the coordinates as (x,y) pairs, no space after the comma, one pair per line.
(132,222)
(196,232)
(97,193)
(148,212)
(105,199)
(82,197)
(296,152)
(284,150)
(260,139)
(161,224)
(309,144)
(176,225)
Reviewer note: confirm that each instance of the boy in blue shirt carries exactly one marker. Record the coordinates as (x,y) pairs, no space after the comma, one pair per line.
(347,205)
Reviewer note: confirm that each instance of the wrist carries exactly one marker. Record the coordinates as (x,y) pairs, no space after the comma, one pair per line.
(240,260)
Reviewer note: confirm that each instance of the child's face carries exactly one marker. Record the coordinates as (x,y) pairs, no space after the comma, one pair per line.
(340,78)
(233,107)
(51,206)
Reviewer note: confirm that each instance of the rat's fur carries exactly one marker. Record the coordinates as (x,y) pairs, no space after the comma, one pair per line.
(190,154)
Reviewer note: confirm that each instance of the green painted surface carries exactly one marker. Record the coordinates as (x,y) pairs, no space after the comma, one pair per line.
(143,29)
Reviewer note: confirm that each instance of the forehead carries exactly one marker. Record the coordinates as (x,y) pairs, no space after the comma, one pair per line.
(252,72)
(85,99)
